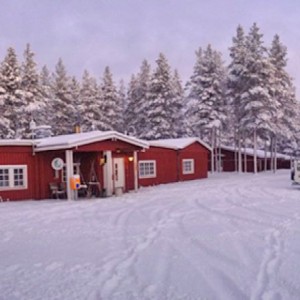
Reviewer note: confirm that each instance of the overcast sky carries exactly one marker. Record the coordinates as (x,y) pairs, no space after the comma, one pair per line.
(92,34)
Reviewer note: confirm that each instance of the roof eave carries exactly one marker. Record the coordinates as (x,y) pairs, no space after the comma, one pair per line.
(87,141)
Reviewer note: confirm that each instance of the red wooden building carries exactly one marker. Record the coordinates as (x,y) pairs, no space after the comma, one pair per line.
(106,162)
(172,160)
(228,157)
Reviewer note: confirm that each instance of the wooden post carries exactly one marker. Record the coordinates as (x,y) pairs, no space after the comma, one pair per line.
(69,174)
(108,173)
(135,170)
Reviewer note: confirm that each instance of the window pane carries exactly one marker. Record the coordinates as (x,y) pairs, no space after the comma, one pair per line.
(188,166)
(147,169)
(4,177)
(18,177)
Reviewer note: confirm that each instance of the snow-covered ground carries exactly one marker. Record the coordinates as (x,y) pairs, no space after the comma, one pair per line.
(226,237)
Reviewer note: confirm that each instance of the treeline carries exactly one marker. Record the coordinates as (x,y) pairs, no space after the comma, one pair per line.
(251,101)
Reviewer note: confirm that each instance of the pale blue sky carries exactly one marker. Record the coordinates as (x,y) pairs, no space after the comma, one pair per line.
(91,34)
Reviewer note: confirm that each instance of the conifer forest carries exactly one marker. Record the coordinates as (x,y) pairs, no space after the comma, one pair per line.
(247,98)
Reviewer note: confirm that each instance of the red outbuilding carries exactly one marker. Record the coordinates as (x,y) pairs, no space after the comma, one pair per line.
(172,160)
(227,157)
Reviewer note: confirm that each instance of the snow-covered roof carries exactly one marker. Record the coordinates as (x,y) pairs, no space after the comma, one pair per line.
(260,153)
(69,141)
(16,142)
(78,139)
(177,144)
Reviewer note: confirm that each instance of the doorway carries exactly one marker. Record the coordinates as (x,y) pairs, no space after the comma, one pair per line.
(119,175)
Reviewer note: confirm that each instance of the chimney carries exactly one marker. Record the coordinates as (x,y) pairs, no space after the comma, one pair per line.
(77,128)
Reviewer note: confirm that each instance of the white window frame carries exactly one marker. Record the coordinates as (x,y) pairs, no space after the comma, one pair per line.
(11,181)
(142,164)
(188,162)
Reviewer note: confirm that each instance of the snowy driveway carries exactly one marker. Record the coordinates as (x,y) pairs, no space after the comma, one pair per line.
(226,237)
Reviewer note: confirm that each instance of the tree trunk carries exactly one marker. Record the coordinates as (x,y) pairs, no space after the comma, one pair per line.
(220,152)
(265,162)
(239,154)
(255,152)
(235,152)
(245,153)
(272,154)
(212,150)
(216,149)
(275,154)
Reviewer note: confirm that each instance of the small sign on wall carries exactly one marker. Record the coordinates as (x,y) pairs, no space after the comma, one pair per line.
(57,163)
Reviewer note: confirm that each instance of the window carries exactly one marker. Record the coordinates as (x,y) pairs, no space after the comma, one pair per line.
(76,171)
(187,166)
(4,177)
(147,169)
(13,177)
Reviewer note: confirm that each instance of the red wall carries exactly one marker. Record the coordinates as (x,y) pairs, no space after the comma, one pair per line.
(166,165)
(200,155)
(20,155)
(46,173)
(169,163)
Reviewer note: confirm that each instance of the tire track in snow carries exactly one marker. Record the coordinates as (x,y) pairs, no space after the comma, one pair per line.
(264,287)
(241,196)
(230,217)
(245,192)
(121,268)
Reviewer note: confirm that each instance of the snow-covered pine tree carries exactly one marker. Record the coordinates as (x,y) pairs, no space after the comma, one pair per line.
(258,106)
(13,105)
(5,130)
(159,109)
(89,107)
(283,94)
(110,112)
(206,94)
(121,99)
(131,114)
(65,116)
(193,91)
(179,129)
(46,114)
(31,91)
(137,101)
(236,81)
(236,86)
(142,99)
(75,95)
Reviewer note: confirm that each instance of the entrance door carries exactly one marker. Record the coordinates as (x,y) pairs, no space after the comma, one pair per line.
(119,173)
